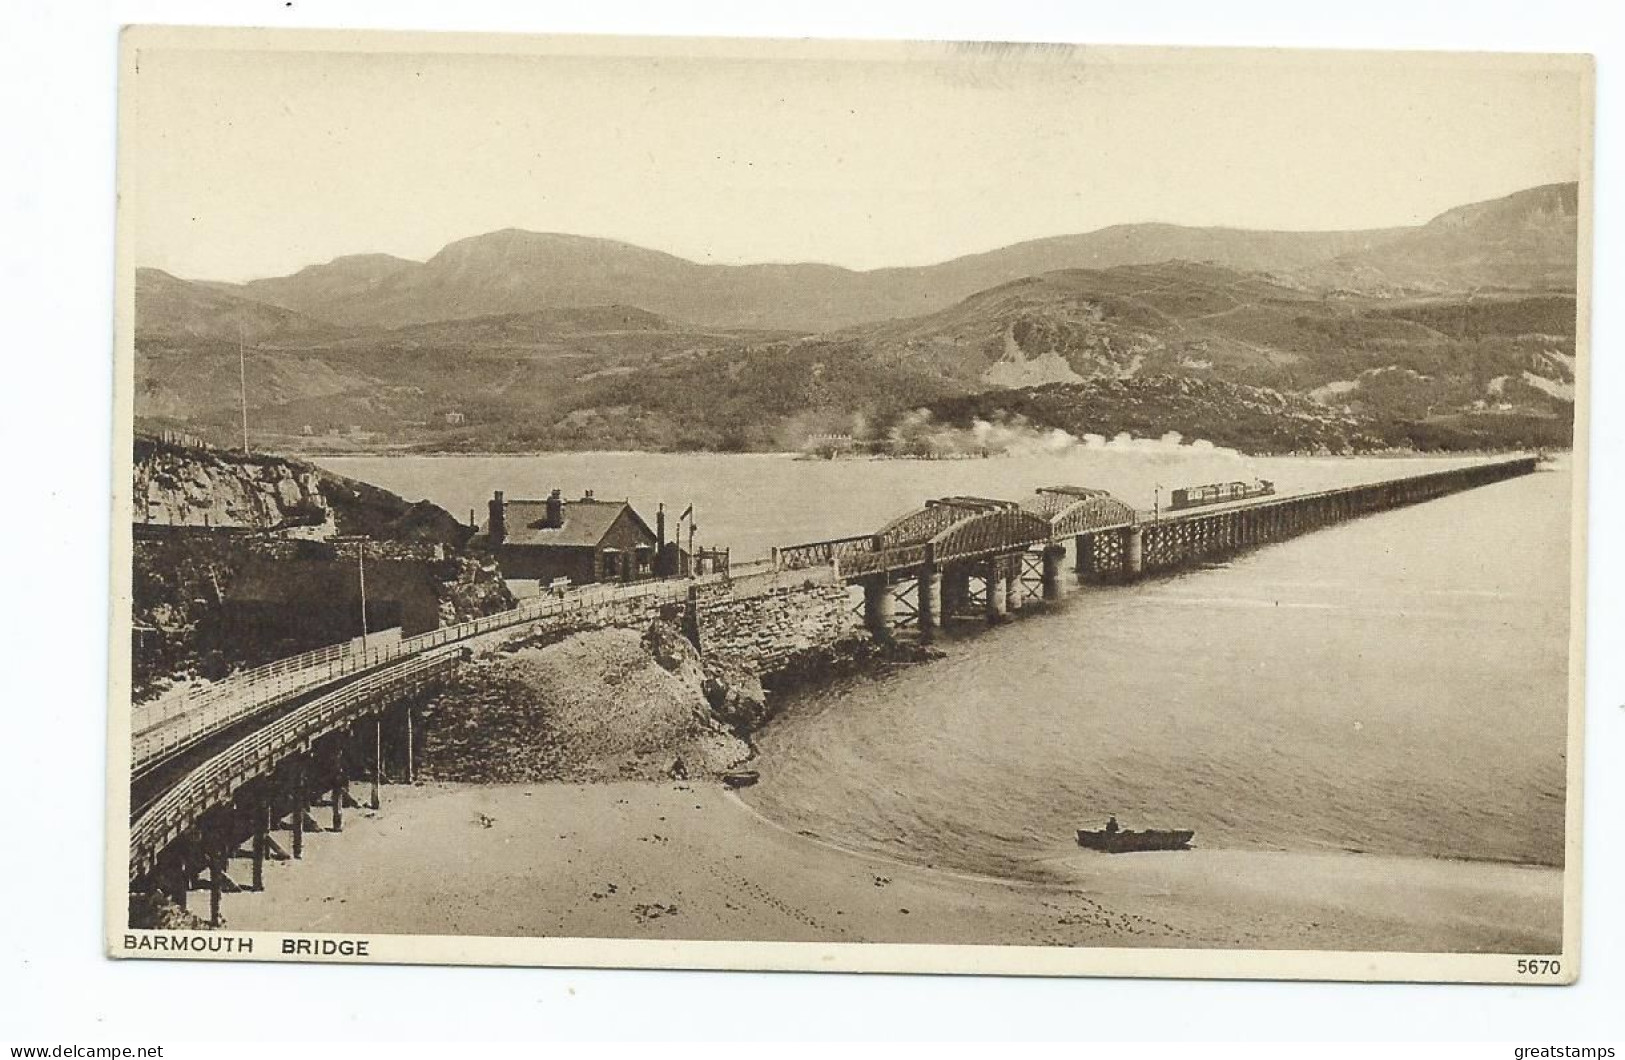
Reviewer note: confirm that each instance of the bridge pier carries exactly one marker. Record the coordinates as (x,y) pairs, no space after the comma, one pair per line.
(929,606)
(997,604)
(1133,552)
(1013,590)
(955,590)
(1050,579)
(1083,557)
(877,606)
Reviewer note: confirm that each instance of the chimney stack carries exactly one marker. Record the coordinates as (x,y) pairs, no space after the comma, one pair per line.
(555,509)
(586,495)
(499,519)
(660,526)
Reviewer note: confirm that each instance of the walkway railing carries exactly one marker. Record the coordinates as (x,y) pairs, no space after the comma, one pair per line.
(168,726)
(258,754)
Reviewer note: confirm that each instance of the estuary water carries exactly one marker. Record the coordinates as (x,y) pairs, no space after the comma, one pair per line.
(1393,685)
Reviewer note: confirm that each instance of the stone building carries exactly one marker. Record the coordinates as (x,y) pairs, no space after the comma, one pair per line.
(586,540)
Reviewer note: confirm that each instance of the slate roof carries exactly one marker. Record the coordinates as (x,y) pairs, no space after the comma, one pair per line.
(585,523)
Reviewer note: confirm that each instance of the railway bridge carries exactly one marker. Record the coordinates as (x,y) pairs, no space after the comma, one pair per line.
(223,774)
(974,556)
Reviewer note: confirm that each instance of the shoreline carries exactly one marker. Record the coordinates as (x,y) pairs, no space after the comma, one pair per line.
(676,860)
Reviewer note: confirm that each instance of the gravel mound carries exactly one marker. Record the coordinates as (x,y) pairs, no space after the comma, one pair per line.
(607,704)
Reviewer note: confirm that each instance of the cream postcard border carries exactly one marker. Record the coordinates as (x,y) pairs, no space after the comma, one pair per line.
(788,956)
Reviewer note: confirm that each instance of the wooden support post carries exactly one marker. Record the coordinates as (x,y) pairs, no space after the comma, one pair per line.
(338,784)
(217,879)
(411,752)
(181,884)
(300,811)
(377,762)
(994,578)
(262,838)
(1050,580)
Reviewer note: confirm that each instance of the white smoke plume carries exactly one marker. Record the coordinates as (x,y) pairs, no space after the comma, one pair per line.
(918,434)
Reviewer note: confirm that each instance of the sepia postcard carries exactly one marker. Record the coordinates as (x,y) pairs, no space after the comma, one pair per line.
(1027,509)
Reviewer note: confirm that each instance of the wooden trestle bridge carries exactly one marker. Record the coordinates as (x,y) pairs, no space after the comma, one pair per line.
(237,772)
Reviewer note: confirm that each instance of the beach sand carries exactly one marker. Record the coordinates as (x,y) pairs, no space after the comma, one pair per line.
(691,861)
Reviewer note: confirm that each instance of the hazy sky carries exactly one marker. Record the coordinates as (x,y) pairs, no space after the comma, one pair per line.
(255,163)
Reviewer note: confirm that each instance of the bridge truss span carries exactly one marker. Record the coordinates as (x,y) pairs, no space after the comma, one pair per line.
(1072,510)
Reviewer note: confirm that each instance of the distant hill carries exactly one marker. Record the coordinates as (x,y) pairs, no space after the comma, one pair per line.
(514,271)
(1523,241)
(522,340)
(173,310)
(1526,239)
(322,290)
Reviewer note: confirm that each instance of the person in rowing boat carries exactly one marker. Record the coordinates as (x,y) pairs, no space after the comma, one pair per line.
(1111,825)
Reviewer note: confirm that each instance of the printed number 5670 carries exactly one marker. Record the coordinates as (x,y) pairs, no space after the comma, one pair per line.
(1539,966)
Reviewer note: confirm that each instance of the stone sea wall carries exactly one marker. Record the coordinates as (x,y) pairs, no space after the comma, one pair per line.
(764,625)
(759,620)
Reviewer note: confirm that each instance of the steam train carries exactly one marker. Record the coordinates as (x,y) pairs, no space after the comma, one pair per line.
(1219,493)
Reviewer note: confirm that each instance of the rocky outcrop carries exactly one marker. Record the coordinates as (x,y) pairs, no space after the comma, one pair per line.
(198,487)
(470,588)
(735,694)
(194,487)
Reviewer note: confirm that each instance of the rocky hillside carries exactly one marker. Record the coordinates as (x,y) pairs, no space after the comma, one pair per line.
(1256,420)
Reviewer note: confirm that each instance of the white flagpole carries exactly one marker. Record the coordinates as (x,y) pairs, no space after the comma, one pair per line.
(242,386)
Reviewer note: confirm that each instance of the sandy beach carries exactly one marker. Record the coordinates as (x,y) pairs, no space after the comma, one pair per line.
(691,861)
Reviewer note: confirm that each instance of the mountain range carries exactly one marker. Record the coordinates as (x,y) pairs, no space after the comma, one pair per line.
(519,339)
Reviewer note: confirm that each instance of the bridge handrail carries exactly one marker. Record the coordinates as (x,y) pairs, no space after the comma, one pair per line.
(822,553)
(154,738)
(258,750)
(179,701)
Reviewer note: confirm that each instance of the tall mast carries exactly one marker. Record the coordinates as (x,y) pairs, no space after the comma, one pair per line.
(242,386)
